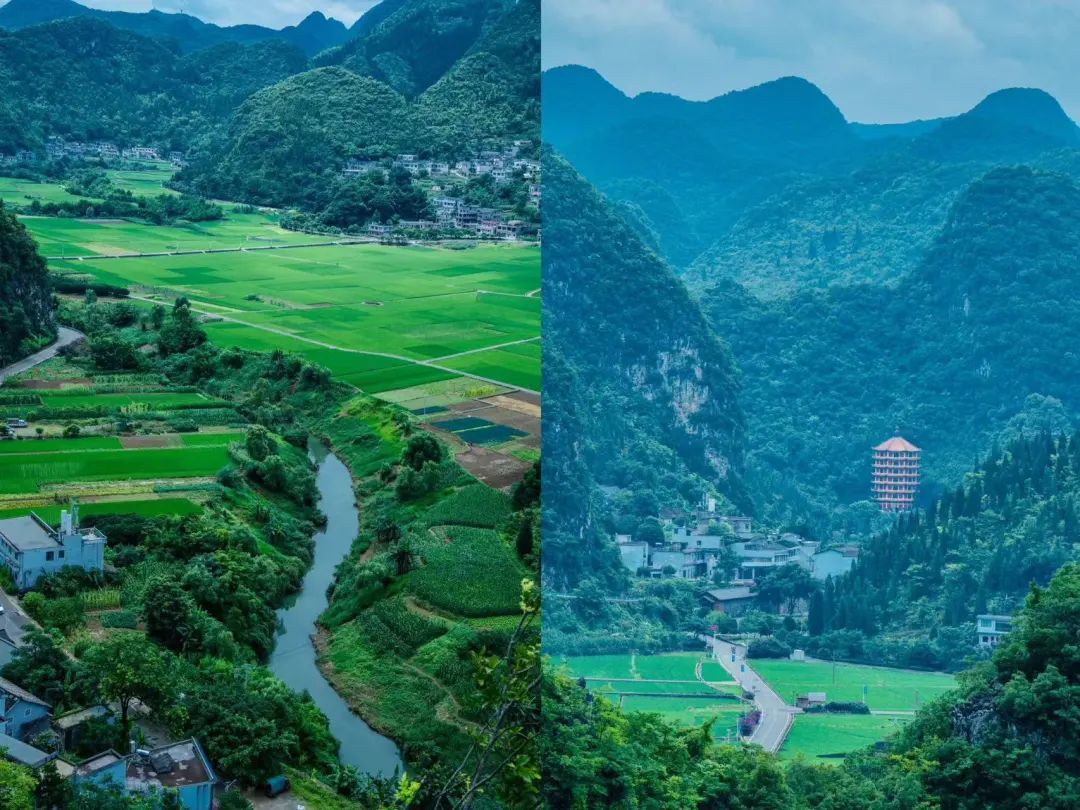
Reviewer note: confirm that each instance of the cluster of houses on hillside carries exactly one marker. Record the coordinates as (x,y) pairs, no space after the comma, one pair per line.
(502,164)
(702,544)
(29,733)
(454,214)
(31,736)
(56,148)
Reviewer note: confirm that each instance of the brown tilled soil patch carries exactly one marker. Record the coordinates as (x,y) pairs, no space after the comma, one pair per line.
(525,396)
(495,470)
(519,405)
(145,442)
(504,416)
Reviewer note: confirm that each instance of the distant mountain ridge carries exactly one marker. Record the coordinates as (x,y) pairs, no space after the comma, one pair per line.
(313,35)
(773,187)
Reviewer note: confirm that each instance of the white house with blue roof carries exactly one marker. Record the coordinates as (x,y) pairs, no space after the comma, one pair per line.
(30,547)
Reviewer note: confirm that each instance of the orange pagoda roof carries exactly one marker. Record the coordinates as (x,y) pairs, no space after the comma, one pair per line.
(897,444)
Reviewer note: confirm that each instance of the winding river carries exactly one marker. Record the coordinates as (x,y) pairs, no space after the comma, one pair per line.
(293,660)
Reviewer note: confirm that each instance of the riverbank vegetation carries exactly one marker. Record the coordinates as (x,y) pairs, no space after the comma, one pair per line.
(430,592)
(430,598)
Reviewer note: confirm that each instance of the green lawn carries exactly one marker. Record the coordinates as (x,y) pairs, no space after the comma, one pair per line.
(886,689)
(818,735)
(17,191)
(150,507)
(27,472)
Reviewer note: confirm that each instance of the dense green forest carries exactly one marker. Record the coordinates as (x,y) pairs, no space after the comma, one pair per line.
(974,550)
(417,43)
(26,309)
(1005,738)
(952,354)
(83,79)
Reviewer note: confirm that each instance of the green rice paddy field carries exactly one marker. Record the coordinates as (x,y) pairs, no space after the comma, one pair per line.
(833,735)
(690,703)
(148,507)
(458,307)
(886,689)
(414,303)
(113,237)
(29,471)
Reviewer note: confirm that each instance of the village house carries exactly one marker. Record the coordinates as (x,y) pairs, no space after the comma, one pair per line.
(635,556)
(181,766)
(30,547)
(990,629)
(104,769)
(140,153)
(22,715)
(833,562)
(12,629)
(734,601)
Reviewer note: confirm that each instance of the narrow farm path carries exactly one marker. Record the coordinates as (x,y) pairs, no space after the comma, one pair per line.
(324,345)
(486,349)
(64,337)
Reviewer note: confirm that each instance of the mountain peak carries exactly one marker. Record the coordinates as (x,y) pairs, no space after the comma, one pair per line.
(1027,106)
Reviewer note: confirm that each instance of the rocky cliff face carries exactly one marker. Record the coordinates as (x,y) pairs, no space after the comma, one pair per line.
(26,307)
(633,335)
(637,387)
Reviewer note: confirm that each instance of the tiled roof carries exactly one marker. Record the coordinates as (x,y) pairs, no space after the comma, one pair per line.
(897,444)
(19,692)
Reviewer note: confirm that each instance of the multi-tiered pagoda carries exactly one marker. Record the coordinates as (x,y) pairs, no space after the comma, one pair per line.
(896,474)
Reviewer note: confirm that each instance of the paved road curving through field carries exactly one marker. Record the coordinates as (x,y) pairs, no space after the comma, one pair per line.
(776,715)
(65,337)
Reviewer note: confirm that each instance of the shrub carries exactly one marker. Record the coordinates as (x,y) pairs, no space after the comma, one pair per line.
(768,648)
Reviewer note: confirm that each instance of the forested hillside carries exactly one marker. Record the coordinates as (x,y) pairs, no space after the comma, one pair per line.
(287,143)
(951,354)
(641,396)
(291,140)
(26,311)
(974,550)
(417,43)
(694,167)
(83,79)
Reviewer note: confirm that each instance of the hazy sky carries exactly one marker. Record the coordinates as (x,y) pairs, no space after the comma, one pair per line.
(272,13)
(879,60)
